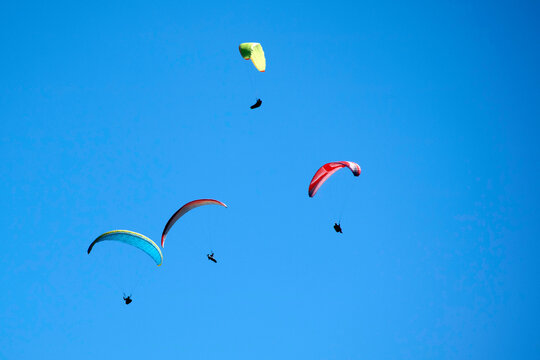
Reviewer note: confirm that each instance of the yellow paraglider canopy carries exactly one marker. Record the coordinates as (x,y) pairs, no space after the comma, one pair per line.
(254,52)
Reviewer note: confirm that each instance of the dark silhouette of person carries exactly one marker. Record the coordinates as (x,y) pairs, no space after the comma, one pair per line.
(211,257)
(256,105)
(127,299)
(337,227)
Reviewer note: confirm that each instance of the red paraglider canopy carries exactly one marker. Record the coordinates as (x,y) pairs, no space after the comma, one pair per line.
(327,170)
(183,210)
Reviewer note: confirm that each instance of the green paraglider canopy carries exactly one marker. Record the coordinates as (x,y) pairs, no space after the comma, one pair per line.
(254,52)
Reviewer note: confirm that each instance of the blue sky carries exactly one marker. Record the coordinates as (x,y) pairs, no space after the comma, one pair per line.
(116,113)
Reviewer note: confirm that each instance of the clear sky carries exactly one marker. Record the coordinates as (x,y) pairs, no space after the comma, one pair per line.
(115,113)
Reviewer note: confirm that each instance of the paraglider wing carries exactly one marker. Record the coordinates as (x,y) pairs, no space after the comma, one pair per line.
(183,210)
(134,239)
(254,52)
(327,170)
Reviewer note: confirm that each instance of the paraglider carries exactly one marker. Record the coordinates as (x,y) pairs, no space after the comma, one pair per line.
(324,173)
(256,105)
(211,257)
(253,51)
(134,239)
(183,210)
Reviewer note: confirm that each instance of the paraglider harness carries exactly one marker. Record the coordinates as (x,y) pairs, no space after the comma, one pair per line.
(211,257)
(256,105)
(127,299)
(337,227)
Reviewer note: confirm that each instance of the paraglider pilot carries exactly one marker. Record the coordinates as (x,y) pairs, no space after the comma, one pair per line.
(211,257)
(256,105)
(337,227)
(127,299)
